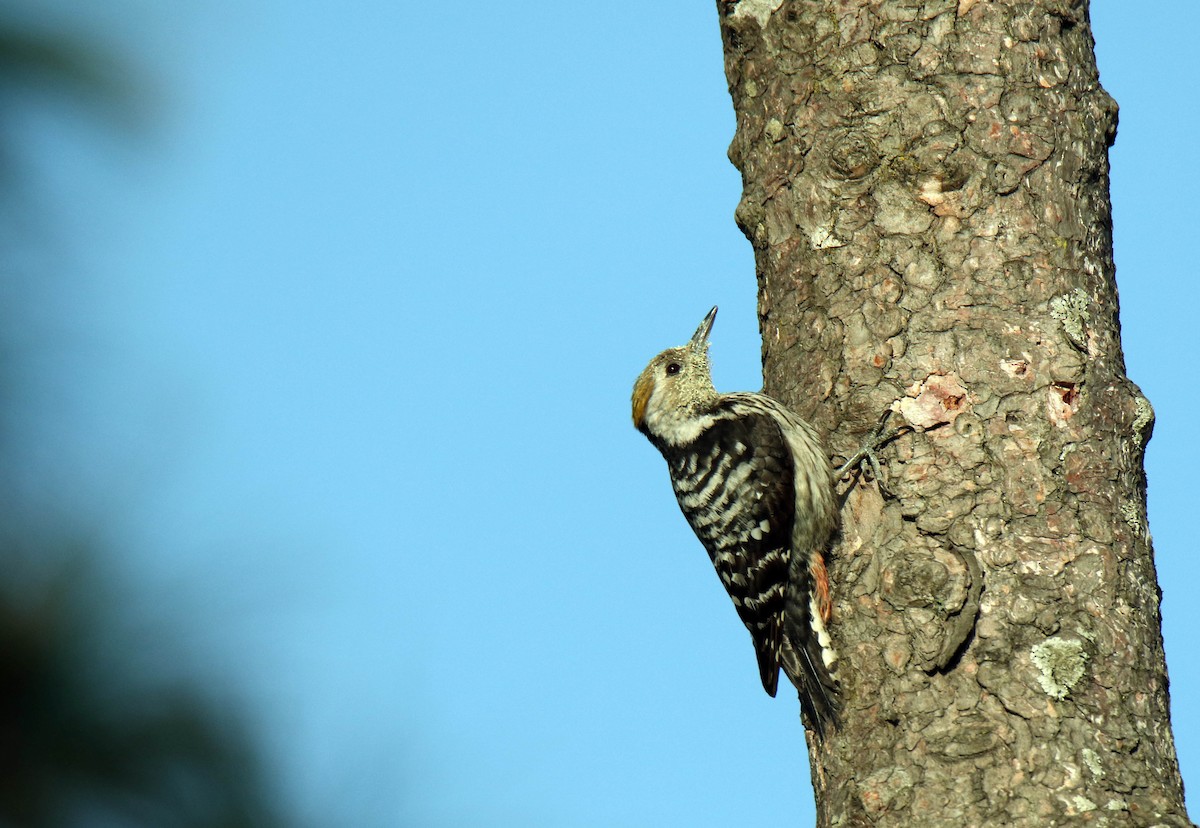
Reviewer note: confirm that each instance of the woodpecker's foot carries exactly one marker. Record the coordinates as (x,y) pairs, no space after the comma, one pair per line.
(867,452)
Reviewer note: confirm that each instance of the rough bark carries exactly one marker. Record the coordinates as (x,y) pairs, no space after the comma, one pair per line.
(926,191)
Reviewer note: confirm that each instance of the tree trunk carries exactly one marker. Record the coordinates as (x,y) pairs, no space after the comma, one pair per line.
(926,191)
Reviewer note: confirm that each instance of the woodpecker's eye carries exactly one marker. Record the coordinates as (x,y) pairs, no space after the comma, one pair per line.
(673,368)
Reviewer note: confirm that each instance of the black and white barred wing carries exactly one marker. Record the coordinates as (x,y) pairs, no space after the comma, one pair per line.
(734,485)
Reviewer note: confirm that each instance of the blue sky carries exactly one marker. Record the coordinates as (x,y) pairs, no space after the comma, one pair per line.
(348,338)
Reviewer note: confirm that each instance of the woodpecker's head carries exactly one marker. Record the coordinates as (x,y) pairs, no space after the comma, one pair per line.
(673,393)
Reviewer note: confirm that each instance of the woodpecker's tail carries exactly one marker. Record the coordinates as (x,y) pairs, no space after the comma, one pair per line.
(815,685)
(807,655)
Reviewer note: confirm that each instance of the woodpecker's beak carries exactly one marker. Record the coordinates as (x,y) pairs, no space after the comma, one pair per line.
(700,337)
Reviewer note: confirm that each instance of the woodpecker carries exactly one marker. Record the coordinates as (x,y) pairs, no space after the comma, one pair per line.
(756,486)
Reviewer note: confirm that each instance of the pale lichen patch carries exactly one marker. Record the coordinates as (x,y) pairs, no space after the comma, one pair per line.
(1082,804)
(1143,423)
(760,10)
(1060,663)
(1131,513)
(1071,309)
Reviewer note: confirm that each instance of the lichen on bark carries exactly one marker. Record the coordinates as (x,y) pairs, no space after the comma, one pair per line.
(925,185)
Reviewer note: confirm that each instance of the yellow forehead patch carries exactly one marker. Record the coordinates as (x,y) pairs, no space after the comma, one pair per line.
(641,396)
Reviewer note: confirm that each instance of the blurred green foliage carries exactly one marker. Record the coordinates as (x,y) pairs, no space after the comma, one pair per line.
(56,65)
(84,733)
(92,733)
